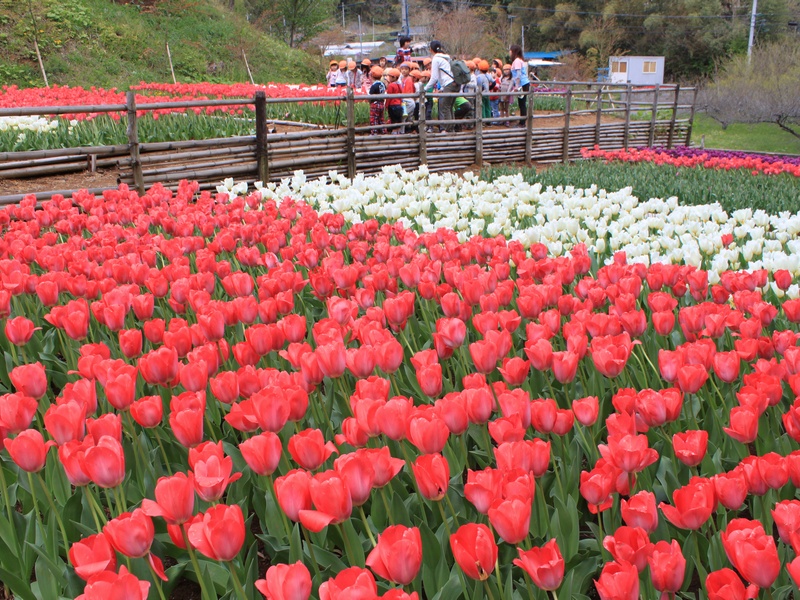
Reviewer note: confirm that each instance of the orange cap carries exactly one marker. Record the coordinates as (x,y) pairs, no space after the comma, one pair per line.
(483,66)
(416,74)
(426,61)
(393,72)
(335,62)
(366,63)
(426,74)
(342,64)
(470,65)
(376,72)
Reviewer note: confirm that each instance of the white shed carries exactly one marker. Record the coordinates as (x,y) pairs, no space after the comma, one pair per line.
(636,70)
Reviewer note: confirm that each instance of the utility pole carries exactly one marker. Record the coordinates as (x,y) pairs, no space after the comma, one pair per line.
(360,39)
(404,16)
(511,27)
(522,36)
(342,15)
(752,30)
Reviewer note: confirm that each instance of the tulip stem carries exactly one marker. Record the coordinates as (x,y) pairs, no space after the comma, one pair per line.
(271,487)
(59,520)
(163,452)
(95,505)
(452,509)
(530,589)
(310,551)
(555,597)
(195,564)
(488,588)
(386,506)
(156,580)
(91,508)
(236,583)
(10,510)
(35,501)
(366,526)
(347,548)
(499,577)
(122,507)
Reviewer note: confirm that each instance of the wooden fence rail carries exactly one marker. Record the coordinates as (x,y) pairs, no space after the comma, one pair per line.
(610,116)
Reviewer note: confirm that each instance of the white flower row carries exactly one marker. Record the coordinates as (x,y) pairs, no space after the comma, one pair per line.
(655,230)
(29,123)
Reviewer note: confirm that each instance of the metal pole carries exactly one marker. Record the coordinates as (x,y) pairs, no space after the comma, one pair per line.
(752,30)
(360,39)
(342,15)
(522,36)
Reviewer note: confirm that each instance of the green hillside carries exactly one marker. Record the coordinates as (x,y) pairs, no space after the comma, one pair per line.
(102,43)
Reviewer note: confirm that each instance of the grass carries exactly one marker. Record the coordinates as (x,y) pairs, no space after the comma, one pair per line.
(732,189)
(100,43)
(759,137)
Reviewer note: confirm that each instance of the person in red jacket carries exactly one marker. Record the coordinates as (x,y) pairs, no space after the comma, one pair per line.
(394,106)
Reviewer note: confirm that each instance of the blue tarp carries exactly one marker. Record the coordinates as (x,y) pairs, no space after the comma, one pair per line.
(544,55)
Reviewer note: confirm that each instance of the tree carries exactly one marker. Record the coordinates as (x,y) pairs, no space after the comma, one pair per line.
(765,90)
(464,32)
(297,20)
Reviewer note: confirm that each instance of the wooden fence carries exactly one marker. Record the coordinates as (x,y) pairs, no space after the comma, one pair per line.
(609,116)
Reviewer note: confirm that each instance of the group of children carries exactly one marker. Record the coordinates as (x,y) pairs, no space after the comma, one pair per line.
(496,81)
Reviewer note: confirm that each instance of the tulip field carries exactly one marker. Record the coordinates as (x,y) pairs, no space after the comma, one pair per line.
(403,386)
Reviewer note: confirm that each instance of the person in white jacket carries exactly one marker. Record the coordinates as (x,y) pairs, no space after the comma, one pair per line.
(442,77)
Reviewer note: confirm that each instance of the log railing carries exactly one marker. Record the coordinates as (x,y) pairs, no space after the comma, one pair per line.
(569,116)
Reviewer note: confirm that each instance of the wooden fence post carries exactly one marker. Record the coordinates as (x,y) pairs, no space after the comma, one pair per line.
(691,119)
(627,117)
(567,111)
(651,136)
(529,129)
(262,154)
(422,128)
(671,134)
(599,115)
(351,133)
(133,142)
(479,127)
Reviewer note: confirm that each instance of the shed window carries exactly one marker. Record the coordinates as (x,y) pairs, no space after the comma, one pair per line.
(649,66)
(618,66)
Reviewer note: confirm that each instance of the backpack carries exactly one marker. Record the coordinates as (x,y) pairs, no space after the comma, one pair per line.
(459,71)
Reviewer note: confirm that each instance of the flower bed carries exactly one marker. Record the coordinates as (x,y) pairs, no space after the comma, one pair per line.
(697,157)
(374,411)
(655,230)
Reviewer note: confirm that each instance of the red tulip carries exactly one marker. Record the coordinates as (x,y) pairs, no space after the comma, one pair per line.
(630,453)
(744,424)
(19,330)
(159,367)
(174,499)
(286,582)
(475,550)
(71,456)
(528,455)
(212,474)
(262,453)
(17,412)
(354,583)
(358,474)
(148,411)
(787,518)
(690,446)
(511,518)
(28,450)
(726,366)
(629,544)
(610,353)
(618,581)
(108,585)
(565,365)
(726,585)
(131,534)
(331,498)
(515,370)
(692,504)
(220,534)
(130,342)
(30,380)
(586,410)
(398,555)
(691,378)
(667,567)
(640,511)
(92,555)
(731,488)
(545,565)
(427,430)
(751,551)
(309,449)
(432,473)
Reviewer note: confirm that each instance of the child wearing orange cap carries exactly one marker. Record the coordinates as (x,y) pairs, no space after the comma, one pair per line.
(376,107)
(394,106)
(482,79)
(506,85)
(407,85)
